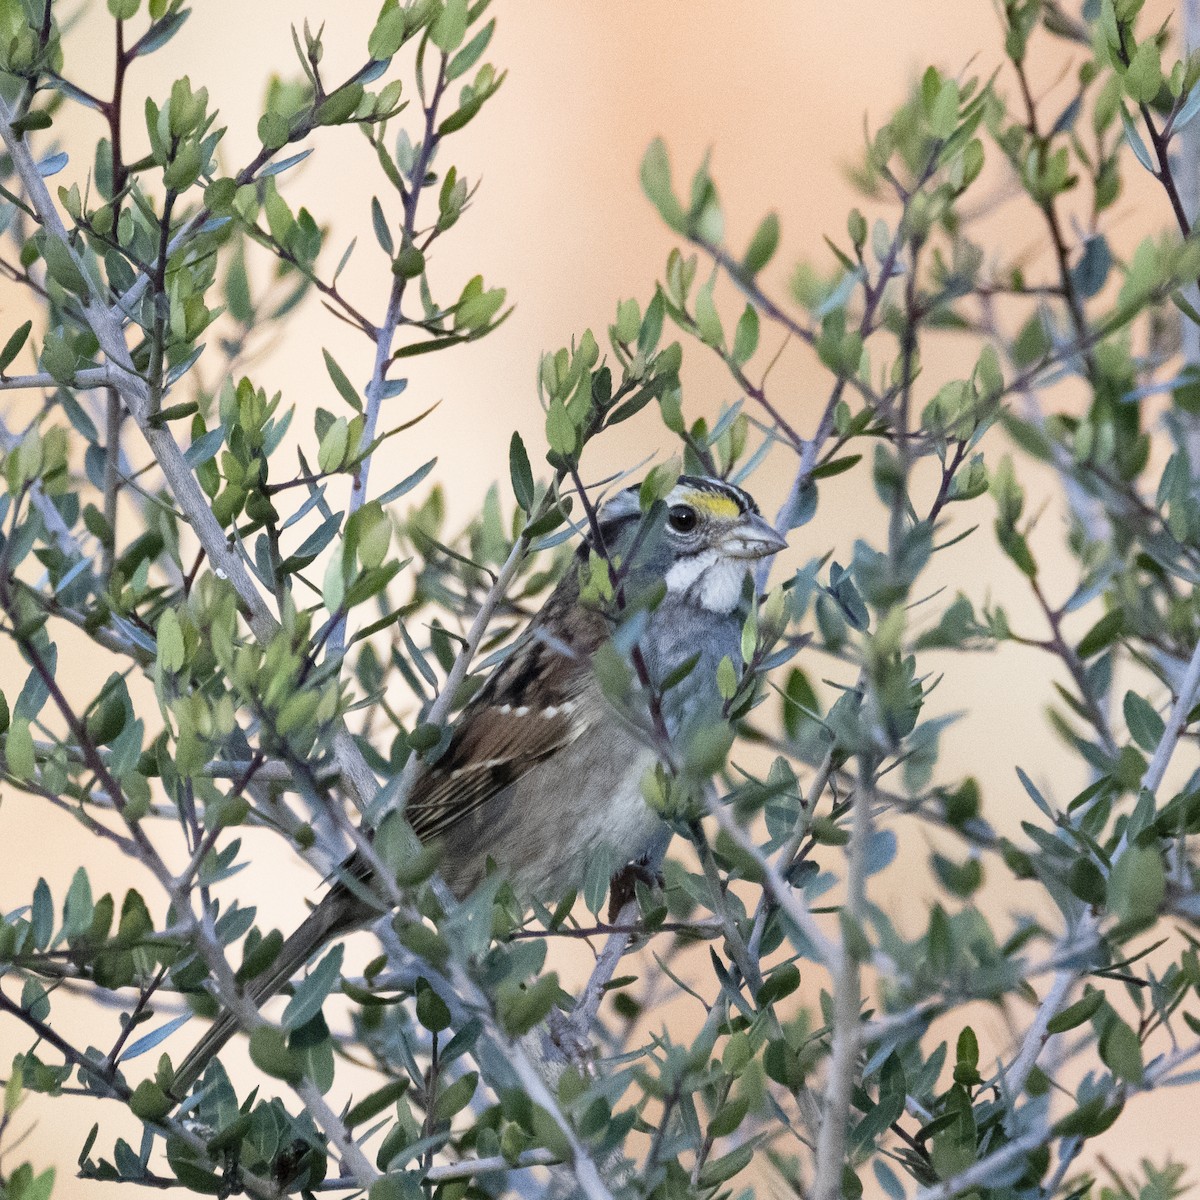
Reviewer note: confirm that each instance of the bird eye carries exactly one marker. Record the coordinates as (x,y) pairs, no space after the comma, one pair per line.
(682,518)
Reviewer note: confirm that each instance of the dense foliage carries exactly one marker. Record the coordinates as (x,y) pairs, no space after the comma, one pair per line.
(308,638)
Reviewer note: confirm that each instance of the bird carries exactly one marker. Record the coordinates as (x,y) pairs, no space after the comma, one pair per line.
(542,772)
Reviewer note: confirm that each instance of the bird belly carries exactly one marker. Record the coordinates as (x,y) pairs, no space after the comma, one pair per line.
(544,830)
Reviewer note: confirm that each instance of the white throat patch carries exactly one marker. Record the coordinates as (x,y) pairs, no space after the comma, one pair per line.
(709,579)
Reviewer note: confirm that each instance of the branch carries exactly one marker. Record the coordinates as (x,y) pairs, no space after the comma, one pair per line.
(847,1005)
(827,951)
(356,775)
(1050,211)
(466,1168)
(115,1088)
(1014,1078)
(1189,694)
(985,1169)
(583,1015)
(81,381)
(810,448)
(337,1132)
(50,515)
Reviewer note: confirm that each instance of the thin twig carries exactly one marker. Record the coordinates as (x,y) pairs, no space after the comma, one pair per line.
(847,1004)
(1016,1075)
(1189,696)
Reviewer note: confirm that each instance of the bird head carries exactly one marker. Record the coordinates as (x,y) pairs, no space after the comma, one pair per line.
(700,542)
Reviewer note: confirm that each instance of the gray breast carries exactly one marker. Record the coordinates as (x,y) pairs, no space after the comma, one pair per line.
(543,830)
(679,630)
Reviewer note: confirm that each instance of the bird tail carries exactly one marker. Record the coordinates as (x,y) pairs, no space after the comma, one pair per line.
(327,920)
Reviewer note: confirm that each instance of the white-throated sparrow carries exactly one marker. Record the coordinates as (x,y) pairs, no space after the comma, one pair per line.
(542,772)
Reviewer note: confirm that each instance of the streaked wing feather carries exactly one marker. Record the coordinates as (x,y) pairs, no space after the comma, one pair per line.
(529,708)
(495,749)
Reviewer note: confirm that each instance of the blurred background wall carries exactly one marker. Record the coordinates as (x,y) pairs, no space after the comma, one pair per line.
(778,91)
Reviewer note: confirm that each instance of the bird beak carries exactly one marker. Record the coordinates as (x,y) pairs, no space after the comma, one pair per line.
(752,538)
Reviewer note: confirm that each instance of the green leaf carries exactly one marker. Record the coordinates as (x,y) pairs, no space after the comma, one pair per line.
(383,232)
(727,678)
(456,1097)
(520,473)
(476,307)
(78,907)
(470,54)
(429,347)
(395,1187)
(270,1054)
(135,921)
(35,1000)
(41,915)
(169,641)
(332,452)
(728,1117)
(1146,727)
(967,1050)
(341,106)
(346,389)
(58,357)
(375,535)
(943,115)
(1089,1119)
(1017,548)
(388,35)
(1144,78)
(762,246)
(431,1008)
(449,26)
(708,321)
(62,266)
(1136,144)
(835,466)
(258,957)
(372,1105)
(1121,1051)
(13,346)
(1137,885)
(718,1170)
(781,983)
(18,751)
(123,10)
(524,1007)
(409,263)
(560,430)
(1103,633)
(311,993)
(12,1092)
(1087,881)
(745,337)
(1077,1013)
(313,1047)
(149,1102)
(656,183)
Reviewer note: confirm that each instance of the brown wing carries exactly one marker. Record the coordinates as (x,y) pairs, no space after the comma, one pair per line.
(528,710)
(496,746)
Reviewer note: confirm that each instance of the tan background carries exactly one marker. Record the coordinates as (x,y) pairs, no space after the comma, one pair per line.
(779,92)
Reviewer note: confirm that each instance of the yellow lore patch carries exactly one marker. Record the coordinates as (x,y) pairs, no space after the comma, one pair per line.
(715,503)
